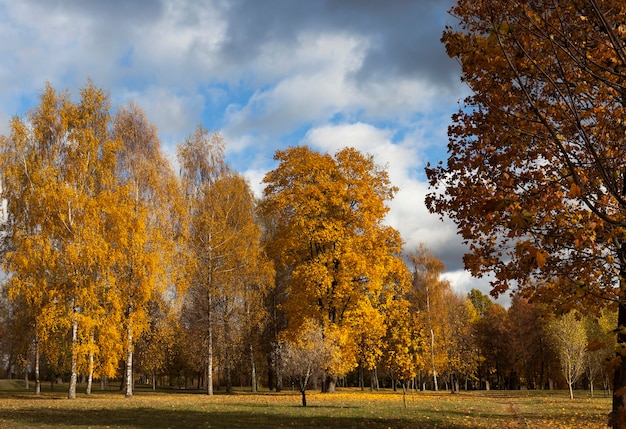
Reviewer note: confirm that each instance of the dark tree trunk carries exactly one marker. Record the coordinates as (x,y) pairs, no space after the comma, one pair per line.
(270,373)
(618,413)
(303,392)
(331,384)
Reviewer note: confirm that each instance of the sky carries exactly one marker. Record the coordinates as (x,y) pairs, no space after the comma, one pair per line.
(267,75)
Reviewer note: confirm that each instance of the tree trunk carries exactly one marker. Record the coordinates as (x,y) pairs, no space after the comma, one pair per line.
(432,340)
(331,384)
(376,382)
(270,372)
(209,375)
(71,393)
(37,357)
(618,413)
(129,362)
(571,390)
(303,392)
(90,375)
(253,380)
(404,394)
(361,378)
(277,368)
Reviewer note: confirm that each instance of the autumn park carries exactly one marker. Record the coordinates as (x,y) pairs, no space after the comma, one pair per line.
(145,290)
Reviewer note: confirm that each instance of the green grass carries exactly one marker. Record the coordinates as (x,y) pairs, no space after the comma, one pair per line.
(348,408)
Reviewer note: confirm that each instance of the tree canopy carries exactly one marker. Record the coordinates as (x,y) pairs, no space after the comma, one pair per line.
(536,173)
(328,233)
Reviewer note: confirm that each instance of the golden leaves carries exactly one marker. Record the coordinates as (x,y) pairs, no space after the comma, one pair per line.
(73,225)
(327,213)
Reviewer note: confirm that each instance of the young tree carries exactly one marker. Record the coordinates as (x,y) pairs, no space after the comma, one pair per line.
(431,296)
(570,341)
(303,356)
(201,159)
(402,343)
(462,354)
(536,174)
(329,241)
(142,228)
(600,349)
(228,269)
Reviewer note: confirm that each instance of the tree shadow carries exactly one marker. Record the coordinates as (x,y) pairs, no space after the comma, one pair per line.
(151,418)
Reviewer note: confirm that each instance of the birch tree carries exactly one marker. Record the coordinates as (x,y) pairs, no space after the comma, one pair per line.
(58,167)
(227,266)
(570,341)
(142,225)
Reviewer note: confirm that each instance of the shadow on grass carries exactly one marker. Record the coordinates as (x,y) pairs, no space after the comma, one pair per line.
(150,418)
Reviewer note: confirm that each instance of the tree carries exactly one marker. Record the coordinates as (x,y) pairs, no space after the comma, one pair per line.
(600,348)
(532,357)
(462,354)
(536,173)
(431,297)
(57,170)
(570,340)
(402,343)
(493,338)
(329,243)
(228,270)
(479,300)
(201,158)
(142,229)
(303,356)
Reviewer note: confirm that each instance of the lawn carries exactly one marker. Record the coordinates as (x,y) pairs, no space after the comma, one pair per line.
(348,408)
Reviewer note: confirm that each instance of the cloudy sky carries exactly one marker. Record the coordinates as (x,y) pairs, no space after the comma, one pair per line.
(267,74)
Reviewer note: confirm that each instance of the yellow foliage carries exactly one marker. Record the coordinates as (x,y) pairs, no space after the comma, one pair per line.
(328,238)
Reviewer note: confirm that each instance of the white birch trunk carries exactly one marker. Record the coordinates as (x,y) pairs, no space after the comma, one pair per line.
(90,375)
(71,393)
(37,357)
(129,362)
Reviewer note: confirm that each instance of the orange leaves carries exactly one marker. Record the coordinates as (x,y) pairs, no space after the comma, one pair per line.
(328,235)
(535,173)
(575,190)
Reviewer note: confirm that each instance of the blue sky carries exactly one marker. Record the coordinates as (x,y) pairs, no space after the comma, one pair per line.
(267,74)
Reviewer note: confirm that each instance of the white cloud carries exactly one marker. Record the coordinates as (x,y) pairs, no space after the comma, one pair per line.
(462,282)
(408,213)
(307,83)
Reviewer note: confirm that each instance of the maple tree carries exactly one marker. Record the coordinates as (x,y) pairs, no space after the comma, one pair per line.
(536,174)
(329,243)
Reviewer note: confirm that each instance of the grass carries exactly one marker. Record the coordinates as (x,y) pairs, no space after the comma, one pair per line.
(348,408)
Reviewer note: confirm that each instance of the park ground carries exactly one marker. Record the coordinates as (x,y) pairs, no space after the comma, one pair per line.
(348,408)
